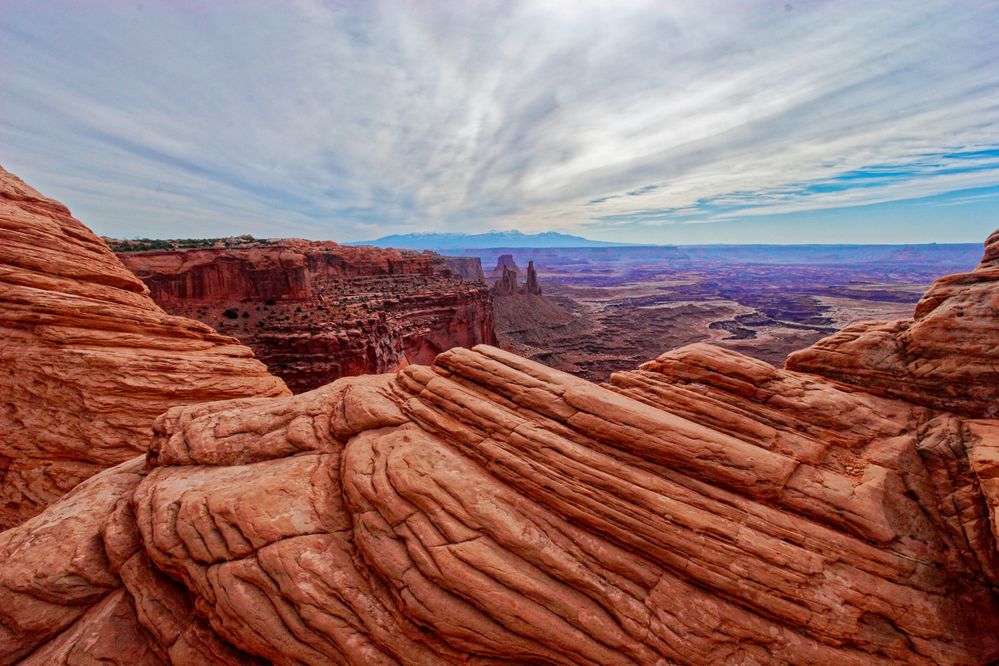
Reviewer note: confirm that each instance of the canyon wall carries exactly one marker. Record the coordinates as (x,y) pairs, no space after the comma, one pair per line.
(88,360)
(705,508)
(316,311)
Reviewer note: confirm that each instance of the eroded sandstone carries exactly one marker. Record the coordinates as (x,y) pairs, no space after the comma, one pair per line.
(88,360)
(315,311)
(945,357)
(704,508)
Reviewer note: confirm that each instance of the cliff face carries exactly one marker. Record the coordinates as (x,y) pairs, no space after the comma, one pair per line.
(287,270)
(466,268)
(705,508)
(504,263)
(507,285)
(88,360)
(317,311)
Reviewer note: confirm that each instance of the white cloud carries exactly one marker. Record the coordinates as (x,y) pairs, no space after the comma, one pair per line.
(339,119)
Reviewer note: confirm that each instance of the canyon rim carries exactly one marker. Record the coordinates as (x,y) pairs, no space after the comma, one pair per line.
(702,508)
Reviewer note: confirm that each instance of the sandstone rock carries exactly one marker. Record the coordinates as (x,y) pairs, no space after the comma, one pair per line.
(315,311)
(289,269)
(503,263)
(466,268)
(88,359)
(705,508)
(945,357)
(506,285)
(531,286)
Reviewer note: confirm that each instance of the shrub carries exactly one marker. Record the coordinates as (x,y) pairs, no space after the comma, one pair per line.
(245,314)
(231,313)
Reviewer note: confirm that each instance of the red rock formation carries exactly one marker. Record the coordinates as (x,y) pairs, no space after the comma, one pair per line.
(317,311)
(945,357)
(531,286)
(88,360)
(503,263)
(466,268)
(705,508)
(506,285)
(289,269)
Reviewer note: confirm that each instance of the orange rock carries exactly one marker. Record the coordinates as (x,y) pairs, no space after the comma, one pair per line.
(315,311)
(945,357)
(705,508)
(88,360)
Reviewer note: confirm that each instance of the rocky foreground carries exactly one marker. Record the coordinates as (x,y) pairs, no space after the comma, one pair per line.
(87,360)
(315,311)
(705,508)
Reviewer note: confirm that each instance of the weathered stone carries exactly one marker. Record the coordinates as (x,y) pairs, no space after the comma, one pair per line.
(87,359)
(315,311)
(704,508)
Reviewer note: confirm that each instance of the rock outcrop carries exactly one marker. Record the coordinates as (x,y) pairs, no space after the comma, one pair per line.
(508,284)
(531,286)
(88,360)
(945,357)
(705,508)
(504,263)
(315,311)
(466,268)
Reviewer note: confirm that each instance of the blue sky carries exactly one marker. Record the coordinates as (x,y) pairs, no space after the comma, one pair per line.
(684,121)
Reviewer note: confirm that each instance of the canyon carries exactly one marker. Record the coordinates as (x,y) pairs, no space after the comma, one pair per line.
(611,308)
(704,507)
(315,311)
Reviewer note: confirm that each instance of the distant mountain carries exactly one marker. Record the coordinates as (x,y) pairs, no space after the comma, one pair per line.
(490,239)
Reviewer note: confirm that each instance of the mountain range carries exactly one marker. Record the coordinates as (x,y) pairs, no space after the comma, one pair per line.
(489,239)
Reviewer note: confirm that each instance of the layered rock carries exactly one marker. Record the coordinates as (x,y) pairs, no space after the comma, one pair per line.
(315,311)
(88,359)
(508,284)
(531,285)
(945,357)
(466,268)
(504,263)
(705,508)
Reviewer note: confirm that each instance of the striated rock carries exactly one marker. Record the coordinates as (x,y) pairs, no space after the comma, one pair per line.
(503,263)
(88,359)
(466,268)
(506,285)
(315,311)
(945,357)
(288,269)
(704,508)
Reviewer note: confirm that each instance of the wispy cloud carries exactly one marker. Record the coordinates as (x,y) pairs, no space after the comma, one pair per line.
(346,120)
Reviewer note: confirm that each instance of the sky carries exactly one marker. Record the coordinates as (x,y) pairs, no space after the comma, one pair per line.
(705,121)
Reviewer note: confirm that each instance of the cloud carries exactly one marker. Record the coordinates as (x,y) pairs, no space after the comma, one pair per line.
(334,120)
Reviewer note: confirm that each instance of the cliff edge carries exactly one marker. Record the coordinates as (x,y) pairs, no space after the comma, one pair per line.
(315,311)
(88,359)
(704,508)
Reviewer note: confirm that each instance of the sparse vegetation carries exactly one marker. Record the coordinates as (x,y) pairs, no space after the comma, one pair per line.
(151,244)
